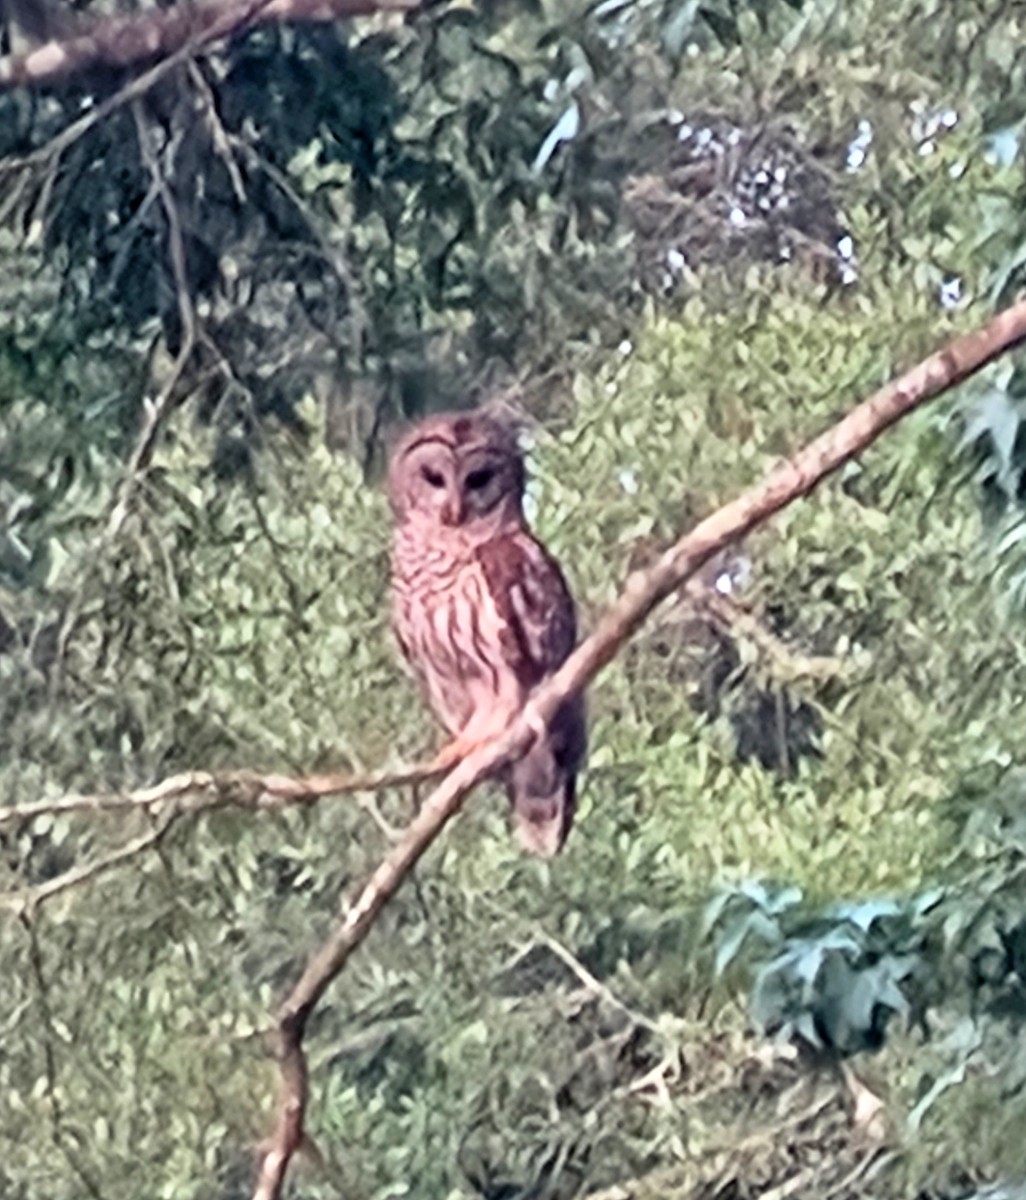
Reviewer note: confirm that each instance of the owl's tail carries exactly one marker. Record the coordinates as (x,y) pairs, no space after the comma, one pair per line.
(542,815)
(542,784)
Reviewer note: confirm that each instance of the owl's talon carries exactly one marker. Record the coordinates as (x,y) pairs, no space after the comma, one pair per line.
(451,755)
(537,726)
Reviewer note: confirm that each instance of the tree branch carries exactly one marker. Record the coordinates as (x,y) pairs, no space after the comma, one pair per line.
(153,411)
(203,791)
(191,794)
(144,36)
(643,591)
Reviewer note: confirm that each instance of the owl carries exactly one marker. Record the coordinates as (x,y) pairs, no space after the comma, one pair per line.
(481,610)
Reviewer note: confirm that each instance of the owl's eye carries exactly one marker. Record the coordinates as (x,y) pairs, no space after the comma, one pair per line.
(480,478)
(435,478)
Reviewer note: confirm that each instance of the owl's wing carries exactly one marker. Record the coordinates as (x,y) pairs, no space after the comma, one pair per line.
(533,602)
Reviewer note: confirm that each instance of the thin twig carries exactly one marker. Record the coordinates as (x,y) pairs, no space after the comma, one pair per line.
(132,90)
(155,410)
(740,622)
(643,591)
(191,794)
(333,255)
(57,1127)
(766,1135)
(218,133)
(27,900)
(49,154)
(866,1169)
(797,1182)
(589,982)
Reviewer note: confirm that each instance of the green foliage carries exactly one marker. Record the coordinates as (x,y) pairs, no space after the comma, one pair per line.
(834,979)
(515,1028)
(948,960)
(244,624)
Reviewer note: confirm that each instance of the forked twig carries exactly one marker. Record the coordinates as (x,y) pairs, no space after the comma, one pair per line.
(26,900)
(191,794)
(643,591)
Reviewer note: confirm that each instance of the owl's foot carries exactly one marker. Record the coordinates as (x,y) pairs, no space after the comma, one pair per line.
(454,753)
(478,733)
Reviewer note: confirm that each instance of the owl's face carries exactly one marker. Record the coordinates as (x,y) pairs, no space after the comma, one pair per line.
(458,471)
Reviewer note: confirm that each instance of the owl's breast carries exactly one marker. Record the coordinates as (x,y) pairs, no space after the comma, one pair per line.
(451,633)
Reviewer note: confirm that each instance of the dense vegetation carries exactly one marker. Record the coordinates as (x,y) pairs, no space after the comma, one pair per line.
(688,237)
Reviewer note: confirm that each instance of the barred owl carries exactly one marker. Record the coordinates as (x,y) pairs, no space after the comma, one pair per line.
(481,610)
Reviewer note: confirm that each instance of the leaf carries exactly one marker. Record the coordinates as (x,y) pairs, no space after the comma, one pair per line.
(677,29)
(755,925)
(565,130)
(866,913)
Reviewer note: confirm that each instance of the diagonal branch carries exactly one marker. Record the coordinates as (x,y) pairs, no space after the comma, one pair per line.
(155,410)
(643,591)
(137,86)
(156,33)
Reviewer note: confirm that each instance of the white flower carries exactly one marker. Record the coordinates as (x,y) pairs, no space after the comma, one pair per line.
(950,292)
(628,481)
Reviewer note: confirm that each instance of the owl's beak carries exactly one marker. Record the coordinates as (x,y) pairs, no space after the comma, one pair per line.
(452,511)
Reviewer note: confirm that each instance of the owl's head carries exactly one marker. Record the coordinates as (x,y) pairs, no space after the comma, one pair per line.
(456,470)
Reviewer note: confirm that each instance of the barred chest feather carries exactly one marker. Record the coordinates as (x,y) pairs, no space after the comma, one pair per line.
(449,628)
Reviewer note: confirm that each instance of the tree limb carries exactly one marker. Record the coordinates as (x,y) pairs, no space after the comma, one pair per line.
(203,791)
(191,794)
(643,591)
(156,33)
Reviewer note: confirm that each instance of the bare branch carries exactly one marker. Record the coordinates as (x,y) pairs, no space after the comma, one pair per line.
(643,591)
(204,791)
(191,794)
(589,982)
(136,87)
(16,172)
(144,36)
(156,409)
(218,133)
